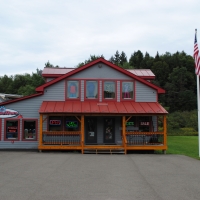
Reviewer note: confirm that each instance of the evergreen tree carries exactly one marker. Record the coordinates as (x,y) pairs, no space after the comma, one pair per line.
(48,64)
(123,58)
(136,59)
(117,58)
(92,58)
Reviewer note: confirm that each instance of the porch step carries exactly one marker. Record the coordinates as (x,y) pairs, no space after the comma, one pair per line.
(104,151)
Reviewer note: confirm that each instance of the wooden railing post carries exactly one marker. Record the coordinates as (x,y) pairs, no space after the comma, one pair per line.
(82,133)
(124,133)
(165,130)
(41,129)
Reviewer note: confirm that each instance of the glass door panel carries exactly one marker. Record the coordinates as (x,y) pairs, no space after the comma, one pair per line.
(109,130)
(91,131)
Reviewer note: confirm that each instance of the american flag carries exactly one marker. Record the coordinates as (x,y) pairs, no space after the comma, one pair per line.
(196,55)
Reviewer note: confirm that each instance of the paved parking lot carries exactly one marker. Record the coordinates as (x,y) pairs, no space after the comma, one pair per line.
(62,175)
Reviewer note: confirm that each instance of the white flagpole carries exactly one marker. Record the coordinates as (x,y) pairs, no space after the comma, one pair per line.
(198,99)
(198,112)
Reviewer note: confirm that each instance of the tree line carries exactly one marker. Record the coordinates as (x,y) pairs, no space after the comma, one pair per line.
(173,72)
(23,84)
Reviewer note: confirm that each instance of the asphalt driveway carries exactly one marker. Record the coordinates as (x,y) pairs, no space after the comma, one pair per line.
(63,176)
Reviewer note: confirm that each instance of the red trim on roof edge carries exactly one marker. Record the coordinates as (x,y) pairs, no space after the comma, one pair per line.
(147,77)
(20,99)
(52,75)
(41,88)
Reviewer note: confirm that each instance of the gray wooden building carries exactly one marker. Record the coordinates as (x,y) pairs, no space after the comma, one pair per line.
(95,108)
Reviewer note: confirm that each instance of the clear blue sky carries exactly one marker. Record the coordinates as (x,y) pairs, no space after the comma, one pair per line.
(67,32)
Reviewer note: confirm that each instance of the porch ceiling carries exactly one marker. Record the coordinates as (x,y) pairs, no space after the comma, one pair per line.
(102,107)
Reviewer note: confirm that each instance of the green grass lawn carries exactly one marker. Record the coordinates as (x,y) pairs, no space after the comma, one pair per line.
(183,145)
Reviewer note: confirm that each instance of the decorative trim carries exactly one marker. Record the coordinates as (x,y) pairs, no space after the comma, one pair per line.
(118,91)
(82,90)
(100,91)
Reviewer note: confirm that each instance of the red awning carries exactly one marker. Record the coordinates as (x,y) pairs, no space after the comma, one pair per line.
(102,107)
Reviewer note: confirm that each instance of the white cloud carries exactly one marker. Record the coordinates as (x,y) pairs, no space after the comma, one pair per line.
(67,32)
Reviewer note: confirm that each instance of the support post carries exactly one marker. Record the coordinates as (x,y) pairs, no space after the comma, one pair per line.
(82,133)
(124,133)
(41,128)
(165,129)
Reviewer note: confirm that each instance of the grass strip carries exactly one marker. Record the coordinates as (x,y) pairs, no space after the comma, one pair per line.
(183,145)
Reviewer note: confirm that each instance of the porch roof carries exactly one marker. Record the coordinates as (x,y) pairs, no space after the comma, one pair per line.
(102,107)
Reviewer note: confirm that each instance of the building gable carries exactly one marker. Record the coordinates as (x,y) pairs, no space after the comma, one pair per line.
(99,63)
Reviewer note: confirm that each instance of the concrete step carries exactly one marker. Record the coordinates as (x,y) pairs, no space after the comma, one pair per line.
(104,151)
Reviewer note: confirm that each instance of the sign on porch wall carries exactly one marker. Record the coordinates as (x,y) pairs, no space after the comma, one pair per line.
(55,122)
(144,123)
(72,124)
(7,113)
(129,123)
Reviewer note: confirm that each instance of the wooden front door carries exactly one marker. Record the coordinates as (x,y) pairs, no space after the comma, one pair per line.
(90,130)
(109,130)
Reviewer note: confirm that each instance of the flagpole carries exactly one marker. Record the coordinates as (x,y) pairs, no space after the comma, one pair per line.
(196,57)
(198,112)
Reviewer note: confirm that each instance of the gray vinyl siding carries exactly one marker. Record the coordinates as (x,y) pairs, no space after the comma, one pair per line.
(29,108)
(18,145)
(145,93)
(118,124)
(104,72)
(55,92)
(49,79)
(155,123)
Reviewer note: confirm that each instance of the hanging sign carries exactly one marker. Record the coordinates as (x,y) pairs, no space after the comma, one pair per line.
(12,129)
(144,123)
(7,113)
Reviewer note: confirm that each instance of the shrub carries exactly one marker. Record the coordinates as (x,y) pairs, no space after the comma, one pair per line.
(183,132)
(179,120)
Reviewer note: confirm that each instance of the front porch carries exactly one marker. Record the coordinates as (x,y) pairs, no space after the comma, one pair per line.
(75,140)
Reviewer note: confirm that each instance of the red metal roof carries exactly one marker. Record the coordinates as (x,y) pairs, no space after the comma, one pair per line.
(102,107)
(56,72)
(143,73)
